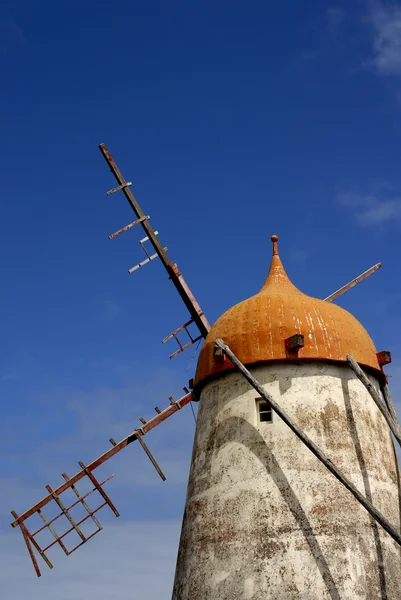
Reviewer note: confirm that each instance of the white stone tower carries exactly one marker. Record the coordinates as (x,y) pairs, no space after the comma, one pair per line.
(264,519)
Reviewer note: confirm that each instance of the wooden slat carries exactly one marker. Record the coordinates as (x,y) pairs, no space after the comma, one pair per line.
(151,424)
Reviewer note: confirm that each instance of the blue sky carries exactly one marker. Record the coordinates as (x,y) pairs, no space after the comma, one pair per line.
(234,121)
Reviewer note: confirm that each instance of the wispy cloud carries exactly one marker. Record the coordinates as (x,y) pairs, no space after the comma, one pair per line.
(110,309)
(372,208)
(335,16)
(326,36)
(385,19)
(11,34)
(127,560)
(137,551)
(8,375)
(309,55)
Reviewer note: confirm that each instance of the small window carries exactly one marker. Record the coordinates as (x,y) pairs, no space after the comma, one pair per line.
(265,412)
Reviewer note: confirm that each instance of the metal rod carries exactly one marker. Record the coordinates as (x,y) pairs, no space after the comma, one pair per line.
(82,500)
(310,444)
(99,488)
(177,339)
(394,427)
(154,422)
(143,262)
(65,511)
(168,337)
(171,268)
(53,532)
(72,505)
(351,284)
(79,523)
(182,348)
(87,539)
(151,457)
(145,239)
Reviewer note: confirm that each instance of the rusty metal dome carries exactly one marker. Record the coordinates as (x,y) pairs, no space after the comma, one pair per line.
(258,330)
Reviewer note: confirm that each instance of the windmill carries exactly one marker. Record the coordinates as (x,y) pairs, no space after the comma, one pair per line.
(217,362)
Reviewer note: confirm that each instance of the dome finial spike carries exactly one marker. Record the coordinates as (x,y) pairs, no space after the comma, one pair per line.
(274,239)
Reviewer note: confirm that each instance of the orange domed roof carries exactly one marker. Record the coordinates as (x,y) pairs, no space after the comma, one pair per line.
(256,329)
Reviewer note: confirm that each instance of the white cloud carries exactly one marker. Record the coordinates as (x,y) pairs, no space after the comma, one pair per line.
(386,22)
(372,208)
(133,556)
(126,560)
(327,39)
(335,17)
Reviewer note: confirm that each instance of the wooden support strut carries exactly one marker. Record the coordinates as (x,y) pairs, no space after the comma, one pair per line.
(352,283)
(393,424)
(53,532)
(151,457)
(66,513)
(176,277)
(28,545)
(310,444)
(389,402)
(99,488)
(153,422)
(84,504)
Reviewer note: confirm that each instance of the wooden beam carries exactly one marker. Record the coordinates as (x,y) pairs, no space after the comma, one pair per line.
(311,445)
(394,426)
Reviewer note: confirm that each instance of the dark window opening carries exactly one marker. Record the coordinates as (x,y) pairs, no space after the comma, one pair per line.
(264,411)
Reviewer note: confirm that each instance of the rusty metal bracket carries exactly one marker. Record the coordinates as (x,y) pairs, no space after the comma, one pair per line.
(175,403)
(383,357)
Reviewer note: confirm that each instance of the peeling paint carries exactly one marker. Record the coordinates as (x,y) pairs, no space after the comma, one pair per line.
(261,508)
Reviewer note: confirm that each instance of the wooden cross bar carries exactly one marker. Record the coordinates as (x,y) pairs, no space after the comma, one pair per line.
(66,513)
(99,488)
(82,501)
(53,532)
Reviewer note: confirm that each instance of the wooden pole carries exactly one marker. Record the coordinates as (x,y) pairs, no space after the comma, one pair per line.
(394,425)
(389,403)
(351,284)
(311,445)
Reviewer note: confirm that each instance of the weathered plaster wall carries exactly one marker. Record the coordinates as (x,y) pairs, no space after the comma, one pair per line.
(264,518)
